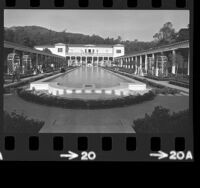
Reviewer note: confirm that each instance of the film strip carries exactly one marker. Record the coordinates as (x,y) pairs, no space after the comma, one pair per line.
(107,145)
(97,147)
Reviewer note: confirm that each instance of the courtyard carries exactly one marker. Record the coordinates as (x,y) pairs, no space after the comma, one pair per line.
(114,120)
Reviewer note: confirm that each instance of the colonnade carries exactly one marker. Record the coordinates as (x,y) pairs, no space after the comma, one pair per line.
(143,61)
(38,58)
(80,60)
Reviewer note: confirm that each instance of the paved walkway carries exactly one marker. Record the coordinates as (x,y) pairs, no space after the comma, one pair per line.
(114,120)
(164,83)
(31,78)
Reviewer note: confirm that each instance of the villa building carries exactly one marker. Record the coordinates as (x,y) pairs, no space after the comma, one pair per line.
(78,54)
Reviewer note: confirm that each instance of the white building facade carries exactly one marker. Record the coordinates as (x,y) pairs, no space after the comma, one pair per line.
(79,54)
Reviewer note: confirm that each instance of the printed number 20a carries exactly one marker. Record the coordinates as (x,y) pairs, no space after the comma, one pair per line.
(180,155)
(88,155)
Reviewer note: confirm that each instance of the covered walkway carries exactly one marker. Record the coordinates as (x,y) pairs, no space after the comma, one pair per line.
(153,60)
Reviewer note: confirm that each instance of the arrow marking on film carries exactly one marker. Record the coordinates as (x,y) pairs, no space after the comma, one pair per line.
(160,155)
(71,155)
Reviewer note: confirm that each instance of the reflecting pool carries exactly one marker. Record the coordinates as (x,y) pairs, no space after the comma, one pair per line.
(97,76)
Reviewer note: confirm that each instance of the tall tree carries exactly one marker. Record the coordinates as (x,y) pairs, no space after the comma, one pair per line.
(47,51)
(183,34)
(166,34)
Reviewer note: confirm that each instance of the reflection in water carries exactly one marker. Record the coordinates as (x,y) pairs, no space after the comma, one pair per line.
(89,75)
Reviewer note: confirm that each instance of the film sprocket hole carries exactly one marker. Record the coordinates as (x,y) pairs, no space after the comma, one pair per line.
(97,80)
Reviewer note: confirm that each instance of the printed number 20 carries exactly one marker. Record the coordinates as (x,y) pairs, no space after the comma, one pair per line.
(88,155)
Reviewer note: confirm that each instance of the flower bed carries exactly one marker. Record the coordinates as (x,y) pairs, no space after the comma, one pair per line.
(19,123)
(57,101)
(8,89)
(180,78)
(157,87)
(158,78)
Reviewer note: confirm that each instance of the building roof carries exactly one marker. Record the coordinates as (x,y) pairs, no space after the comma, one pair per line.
(44,46)
(181,44)
(8,44)
(78,45)
(60,44)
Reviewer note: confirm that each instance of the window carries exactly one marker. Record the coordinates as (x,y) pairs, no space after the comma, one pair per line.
(89,50)
(85,50)
(118,51)
(60,49)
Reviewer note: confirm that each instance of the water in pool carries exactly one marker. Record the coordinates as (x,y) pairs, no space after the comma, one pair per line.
(89,75)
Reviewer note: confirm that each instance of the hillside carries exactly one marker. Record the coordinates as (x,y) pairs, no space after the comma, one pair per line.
(36,35)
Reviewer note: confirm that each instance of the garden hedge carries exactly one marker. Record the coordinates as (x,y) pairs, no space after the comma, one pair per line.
(157,78)
(8,89)
(62,102)
(19,123)
(181,84)
(157,87)
(162,121)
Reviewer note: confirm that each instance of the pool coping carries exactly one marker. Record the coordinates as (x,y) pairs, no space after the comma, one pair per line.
(123,89)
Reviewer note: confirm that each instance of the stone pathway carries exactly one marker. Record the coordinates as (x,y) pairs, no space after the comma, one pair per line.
(114,120)
(31,78)
(164,83)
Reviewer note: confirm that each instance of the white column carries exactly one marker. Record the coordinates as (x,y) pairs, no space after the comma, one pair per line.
(146,62)
(140,65)
(188,71)
(136,67)
(173,63)
(152,65)
(81,60)
(70,60)
(156,67)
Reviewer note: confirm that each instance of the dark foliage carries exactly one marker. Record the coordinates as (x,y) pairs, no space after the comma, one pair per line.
(157,88)
(178,83)
(157,77)
(35,35)
(19,123)
(62,70)
(161,121)
(83,104)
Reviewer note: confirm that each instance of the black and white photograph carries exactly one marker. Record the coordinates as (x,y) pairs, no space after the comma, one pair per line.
(96,71)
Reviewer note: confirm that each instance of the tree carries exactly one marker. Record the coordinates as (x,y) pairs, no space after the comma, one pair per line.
(119,39)
(166,34)
(47,51)
(183,34)
(28,42)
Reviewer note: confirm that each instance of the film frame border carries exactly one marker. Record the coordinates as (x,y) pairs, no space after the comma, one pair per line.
(118,4)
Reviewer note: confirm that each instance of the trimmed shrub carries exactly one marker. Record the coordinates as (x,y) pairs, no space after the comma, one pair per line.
(19,123)
(161,121)
(181,84)
(157,87)
(157,78)
(83,104)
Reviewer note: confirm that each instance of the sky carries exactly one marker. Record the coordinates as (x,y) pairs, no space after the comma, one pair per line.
(129,24)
